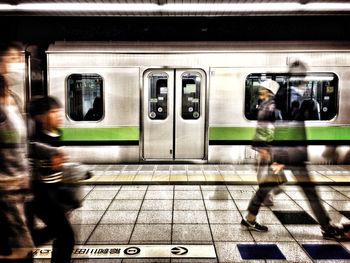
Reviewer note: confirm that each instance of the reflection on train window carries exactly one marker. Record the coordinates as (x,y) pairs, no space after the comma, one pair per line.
(158,96)
(191,83)
(85,97)
(300,97)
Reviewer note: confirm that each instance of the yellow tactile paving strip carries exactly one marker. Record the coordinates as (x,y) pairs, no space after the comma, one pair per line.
(204,174)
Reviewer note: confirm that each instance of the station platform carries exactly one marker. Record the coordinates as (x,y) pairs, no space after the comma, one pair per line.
(180,213)
(205,174)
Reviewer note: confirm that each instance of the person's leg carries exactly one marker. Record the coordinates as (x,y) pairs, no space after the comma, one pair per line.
(263,176)
(5,248)
(64,243)
(258,198)
(328,231)
(308,187)
(40,208)
(254,206)
(59,229)
(15,239)
(58,226)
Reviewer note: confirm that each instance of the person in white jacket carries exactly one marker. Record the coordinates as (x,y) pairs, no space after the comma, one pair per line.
(15,240)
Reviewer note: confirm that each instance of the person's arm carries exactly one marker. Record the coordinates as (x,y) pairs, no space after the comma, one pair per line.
(42,151)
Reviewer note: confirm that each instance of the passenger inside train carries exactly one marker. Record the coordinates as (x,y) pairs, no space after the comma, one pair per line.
(95,113)
(309,108)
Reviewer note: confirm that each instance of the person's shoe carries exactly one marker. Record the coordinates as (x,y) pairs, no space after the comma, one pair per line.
(254,226)
(332,232)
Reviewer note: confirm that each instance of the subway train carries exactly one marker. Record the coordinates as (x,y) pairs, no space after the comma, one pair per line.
(193,102)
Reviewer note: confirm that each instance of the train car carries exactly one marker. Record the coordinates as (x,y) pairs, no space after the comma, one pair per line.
(194,102)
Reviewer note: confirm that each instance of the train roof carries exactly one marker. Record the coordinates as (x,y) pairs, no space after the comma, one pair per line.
(195,47)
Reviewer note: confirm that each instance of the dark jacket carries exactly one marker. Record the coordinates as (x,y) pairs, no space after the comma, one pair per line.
(43,147)
(268,114)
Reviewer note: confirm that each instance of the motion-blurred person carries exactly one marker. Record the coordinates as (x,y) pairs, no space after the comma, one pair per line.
(268,114)
(295,158)
(12,67)
(15,239)
(47,180)
(309,108)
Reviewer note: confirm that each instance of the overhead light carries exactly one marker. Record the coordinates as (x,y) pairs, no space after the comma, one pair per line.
(228,8)
(6,7)
(87,7)
(284,7)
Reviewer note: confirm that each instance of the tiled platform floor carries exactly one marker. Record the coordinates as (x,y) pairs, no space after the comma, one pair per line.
(209,214)
(203,204)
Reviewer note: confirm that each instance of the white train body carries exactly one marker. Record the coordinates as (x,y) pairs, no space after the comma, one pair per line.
(187,102)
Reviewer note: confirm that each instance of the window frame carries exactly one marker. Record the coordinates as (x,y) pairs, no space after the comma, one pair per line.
(286,74)
(67,112)
(196,74)
(149,77)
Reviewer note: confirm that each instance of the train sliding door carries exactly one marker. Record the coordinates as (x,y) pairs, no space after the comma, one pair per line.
(158,115)
(174,115)
(189,114)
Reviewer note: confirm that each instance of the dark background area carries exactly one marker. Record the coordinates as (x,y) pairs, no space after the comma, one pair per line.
(45,30)
(39,32)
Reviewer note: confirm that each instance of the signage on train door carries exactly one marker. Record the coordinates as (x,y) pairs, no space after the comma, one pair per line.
(133,251)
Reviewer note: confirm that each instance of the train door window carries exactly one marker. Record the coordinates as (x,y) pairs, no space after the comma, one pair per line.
(85,97)
(158,96)
(300,97)
(191,84)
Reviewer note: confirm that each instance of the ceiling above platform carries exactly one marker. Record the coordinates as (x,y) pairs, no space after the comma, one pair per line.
(173,7)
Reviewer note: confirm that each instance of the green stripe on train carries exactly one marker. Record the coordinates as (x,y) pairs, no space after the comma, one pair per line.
(101,134)
(215,133)
(282,134)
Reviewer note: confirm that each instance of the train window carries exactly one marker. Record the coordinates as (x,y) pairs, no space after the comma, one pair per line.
(191,83)
(158,96)
(300,97)
(85,97)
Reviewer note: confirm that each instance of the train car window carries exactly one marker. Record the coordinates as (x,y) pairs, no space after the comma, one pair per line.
(191,84)
(85,97)
(301,97)
(158,96)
